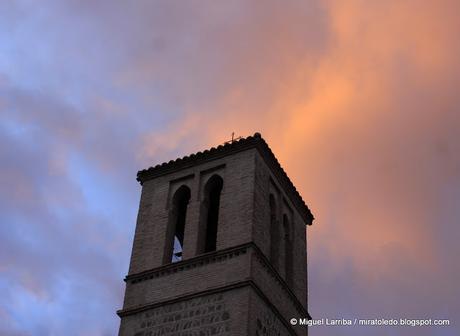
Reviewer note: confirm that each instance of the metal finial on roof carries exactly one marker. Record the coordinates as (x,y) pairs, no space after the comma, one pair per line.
(233,139)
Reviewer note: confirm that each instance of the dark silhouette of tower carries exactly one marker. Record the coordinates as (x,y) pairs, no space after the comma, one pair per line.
(219,247)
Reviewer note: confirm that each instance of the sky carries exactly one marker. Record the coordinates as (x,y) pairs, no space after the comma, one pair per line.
(359,100)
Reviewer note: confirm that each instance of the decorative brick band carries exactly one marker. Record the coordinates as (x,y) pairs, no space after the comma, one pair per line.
(200,260)
(236,285)
(217,256)
(279,279)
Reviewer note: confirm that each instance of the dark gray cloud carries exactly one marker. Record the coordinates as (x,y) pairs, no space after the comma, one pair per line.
(358,100)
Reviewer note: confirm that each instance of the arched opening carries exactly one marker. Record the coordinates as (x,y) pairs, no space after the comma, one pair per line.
(211,202)
(288,246)
(274,240)
(176,225)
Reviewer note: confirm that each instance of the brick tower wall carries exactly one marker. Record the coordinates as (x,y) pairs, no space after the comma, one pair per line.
(241,288)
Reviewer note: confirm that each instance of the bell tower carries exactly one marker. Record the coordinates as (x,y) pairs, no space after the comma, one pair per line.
(219,247)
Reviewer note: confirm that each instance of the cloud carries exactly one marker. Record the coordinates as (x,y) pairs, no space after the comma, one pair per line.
(357,99)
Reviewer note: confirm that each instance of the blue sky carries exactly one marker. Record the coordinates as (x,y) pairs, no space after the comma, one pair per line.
(358,100)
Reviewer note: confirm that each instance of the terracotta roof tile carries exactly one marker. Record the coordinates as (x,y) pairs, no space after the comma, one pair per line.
(255,141)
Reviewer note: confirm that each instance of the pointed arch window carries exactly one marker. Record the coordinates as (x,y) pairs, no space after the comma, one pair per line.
(288,247)
(176,225)
(210,213)
(274,240)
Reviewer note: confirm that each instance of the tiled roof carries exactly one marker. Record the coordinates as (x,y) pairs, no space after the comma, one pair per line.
(255,141)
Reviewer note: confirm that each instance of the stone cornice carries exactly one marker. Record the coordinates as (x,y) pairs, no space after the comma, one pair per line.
(217,256)
(199,260)
(255,141)
(239,284)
